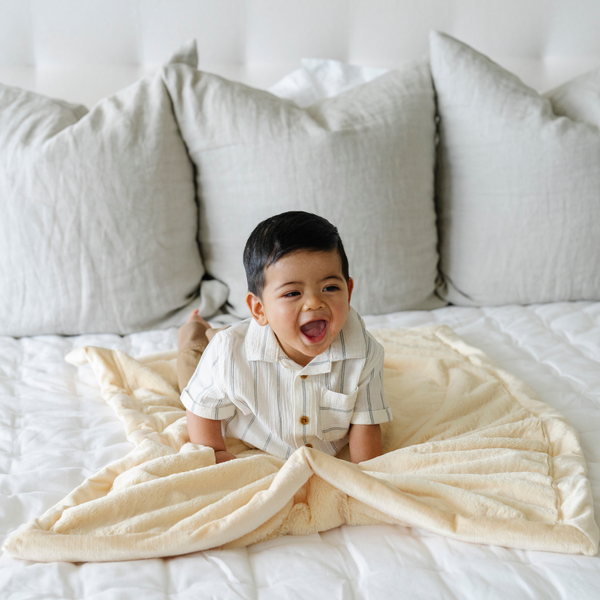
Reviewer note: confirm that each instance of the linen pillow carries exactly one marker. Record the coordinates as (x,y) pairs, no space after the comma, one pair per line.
(363,160)
(99,220)
(518,185)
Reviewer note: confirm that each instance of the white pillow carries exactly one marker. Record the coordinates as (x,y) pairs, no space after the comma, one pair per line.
(363,159)
(320,78)
(99,225)
(518,186)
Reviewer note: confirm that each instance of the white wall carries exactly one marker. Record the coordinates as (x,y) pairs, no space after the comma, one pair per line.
(81,50)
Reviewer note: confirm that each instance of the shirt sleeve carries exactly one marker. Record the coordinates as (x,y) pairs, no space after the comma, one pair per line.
(204,394)
(370,407)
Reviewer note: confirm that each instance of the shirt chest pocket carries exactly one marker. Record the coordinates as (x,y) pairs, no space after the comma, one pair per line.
(335,412)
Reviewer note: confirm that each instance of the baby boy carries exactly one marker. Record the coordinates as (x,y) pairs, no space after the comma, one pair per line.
(303,371)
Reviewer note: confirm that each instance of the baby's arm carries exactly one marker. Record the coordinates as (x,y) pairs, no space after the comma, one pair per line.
(370,408)
(365,442)
(207,432)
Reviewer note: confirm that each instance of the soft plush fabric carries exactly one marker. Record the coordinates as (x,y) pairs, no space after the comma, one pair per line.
(320,78)
(99,220)
(518,183)
(363,159)
(471,454)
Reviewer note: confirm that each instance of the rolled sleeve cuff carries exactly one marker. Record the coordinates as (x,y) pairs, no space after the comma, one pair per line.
(373,417)
(216,413)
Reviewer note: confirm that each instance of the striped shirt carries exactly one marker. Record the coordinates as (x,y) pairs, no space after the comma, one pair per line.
(264,398)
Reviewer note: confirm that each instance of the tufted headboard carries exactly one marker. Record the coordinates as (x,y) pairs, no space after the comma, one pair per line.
(82,50)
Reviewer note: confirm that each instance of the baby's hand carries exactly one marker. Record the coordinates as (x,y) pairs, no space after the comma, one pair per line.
(222,456)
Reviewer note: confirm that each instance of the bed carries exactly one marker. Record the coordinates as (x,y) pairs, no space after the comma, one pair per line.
(57,430)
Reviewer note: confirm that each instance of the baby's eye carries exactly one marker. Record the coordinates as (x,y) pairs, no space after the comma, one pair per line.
(291,294)
(331,288)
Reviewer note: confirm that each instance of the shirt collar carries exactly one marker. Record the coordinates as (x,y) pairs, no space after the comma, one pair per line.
(351,342)
(261,343)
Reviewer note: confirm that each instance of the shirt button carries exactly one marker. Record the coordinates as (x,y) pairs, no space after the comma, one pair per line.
(303,376)
(304,420)
(309,445)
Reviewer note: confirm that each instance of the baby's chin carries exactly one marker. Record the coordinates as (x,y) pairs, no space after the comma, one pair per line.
(314,350)
(308,351)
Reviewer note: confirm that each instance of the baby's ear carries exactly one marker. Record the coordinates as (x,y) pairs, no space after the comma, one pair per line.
(256,308)
(350,288)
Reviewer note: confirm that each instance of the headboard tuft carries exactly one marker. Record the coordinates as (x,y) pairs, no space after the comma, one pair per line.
(82,50)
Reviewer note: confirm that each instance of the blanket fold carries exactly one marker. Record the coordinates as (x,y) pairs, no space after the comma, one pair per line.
(471,454)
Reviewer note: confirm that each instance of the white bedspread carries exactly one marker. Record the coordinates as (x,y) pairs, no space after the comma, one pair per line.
(56,431)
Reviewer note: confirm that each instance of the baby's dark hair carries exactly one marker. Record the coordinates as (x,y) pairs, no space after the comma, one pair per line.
(283,234)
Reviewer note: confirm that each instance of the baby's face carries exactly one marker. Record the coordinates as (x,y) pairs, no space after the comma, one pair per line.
(306,301)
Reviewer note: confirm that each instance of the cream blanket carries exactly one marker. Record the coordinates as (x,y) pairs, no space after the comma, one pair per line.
(470,454)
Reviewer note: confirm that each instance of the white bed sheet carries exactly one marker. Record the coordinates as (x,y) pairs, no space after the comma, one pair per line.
(55,431)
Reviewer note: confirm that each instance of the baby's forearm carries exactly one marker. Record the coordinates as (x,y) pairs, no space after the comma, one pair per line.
(365,442)
(207,432)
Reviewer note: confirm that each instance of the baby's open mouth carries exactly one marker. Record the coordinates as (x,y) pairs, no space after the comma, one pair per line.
(315,330)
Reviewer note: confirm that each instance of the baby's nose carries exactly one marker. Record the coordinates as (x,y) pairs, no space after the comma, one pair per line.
(313,301)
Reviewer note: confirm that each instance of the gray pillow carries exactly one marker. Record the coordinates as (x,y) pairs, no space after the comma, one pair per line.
(363,160)
(518,185)
(99,221)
